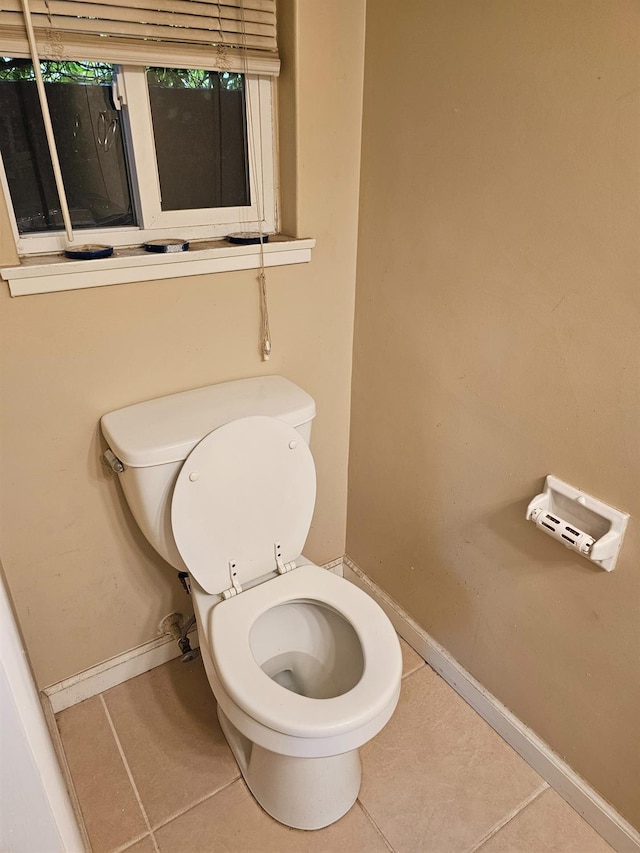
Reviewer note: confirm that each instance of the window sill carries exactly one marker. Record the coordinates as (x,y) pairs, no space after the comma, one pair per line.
(51,273)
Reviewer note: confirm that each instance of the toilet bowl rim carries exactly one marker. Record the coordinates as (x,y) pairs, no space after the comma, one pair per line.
(275,706)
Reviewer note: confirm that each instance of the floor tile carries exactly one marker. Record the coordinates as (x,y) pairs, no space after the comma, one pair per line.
(411,660)
(166,722)
(438,778)
(548,825)
(232,821)
(107,800)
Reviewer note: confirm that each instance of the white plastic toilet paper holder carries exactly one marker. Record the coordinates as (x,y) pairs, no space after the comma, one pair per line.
(579,521)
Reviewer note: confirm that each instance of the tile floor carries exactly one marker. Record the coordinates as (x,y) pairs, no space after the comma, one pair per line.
(153,772)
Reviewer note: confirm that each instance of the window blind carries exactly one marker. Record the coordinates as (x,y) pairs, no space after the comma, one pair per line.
(233,35)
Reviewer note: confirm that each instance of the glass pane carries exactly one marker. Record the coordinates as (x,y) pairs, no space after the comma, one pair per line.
(89,140)
(201,138)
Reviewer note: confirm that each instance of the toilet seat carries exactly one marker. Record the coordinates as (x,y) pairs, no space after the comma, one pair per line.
(229,626)
(241,510)
(243,501)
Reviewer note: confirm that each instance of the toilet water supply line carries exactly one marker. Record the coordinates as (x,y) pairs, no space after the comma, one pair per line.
(46,116)
(173,626)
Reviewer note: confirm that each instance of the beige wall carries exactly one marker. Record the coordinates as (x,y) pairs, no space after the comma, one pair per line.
(85,584)
(497,340)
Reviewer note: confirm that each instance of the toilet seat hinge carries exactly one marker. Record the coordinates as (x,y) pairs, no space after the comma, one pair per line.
(235,588)
(282,567)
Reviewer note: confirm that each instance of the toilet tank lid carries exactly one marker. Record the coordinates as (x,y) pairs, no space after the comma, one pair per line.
(167,429)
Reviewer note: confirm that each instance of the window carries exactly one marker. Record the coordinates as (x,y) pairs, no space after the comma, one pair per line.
(145,152)
(91,147)
(205,112)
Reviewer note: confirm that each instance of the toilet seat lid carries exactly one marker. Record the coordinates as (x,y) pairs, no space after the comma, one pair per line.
(247,485)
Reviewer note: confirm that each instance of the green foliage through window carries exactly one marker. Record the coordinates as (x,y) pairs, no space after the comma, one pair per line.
(84,73)
(101,73)
(194,78)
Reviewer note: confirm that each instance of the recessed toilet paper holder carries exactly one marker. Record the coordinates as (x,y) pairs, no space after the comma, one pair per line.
(579,521)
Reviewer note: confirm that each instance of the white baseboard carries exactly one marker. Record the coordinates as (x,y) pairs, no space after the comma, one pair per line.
(127,665)
(571,787)
(114,671)
(335,566)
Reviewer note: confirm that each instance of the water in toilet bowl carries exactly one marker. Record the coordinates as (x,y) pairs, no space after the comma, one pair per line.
(308,649)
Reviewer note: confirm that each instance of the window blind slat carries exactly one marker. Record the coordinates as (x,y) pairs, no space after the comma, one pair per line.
(86,48)
(158,32)
(175,29)
(138,31)
(224,17)
(231,30)
(201,15)
(204,7)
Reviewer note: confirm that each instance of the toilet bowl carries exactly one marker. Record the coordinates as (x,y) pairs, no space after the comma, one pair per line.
(304,674)
(304,666)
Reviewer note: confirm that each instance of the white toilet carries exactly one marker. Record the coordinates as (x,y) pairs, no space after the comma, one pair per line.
(305,667)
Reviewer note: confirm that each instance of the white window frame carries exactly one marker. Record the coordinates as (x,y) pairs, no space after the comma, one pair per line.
(130,88)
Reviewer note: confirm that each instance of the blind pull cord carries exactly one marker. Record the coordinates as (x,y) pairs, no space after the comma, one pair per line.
(44,105)
(265,331)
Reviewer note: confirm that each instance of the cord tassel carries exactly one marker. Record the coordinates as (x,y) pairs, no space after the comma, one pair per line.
(265,342)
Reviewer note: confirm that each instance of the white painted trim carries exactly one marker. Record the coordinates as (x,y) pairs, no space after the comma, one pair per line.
(39,812)
(114,671)
(259,120)
(56,740)
(571,787)
(55,273)
(335,566)
(127,665)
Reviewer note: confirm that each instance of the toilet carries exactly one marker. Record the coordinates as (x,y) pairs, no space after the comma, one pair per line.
(304,666)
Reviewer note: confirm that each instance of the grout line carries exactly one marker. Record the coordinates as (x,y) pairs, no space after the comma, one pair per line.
(195,803)
(129,774)
(509,817)
(129,844)
(422,662)
(375,825)
(411,671)
(419,669)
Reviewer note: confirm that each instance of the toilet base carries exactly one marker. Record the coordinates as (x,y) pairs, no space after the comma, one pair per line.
(304,793)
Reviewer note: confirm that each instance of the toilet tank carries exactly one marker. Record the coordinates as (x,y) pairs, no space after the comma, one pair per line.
(152,440)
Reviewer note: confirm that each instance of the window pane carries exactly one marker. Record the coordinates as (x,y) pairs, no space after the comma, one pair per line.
(89,140)
(200,135)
